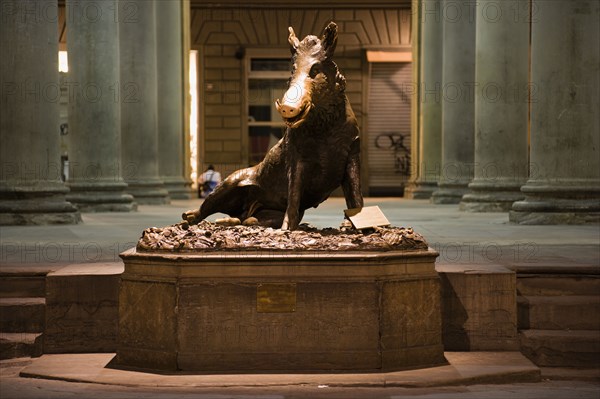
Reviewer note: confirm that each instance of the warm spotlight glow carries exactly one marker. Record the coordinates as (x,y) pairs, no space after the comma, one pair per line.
(63,63)
(194,117)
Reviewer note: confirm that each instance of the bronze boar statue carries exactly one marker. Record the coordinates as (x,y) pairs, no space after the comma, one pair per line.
(318,152)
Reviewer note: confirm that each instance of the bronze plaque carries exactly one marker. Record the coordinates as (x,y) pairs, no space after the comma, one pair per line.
(366,217)
(276,298)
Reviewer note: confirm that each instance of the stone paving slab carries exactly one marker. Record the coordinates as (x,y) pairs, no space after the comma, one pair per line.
(463,368)
(460,237)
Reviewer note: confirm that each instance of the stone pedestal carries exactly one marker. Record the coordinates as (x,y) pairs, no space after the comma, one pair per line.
(564,179)
(139,102)
(268,311)
(94,111)
(430,102)
(31,190)
(501,107)
(171,135)
(458,89)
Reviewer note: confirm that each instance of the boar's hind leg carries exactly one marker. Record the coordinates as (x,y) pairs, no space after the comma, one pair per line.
(269,218)
(227,199)
(230,197)
(351,180)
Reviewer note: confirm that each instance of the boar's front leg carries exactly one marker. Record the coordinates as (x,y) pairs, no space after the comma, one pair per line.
(292,216)
(351,180)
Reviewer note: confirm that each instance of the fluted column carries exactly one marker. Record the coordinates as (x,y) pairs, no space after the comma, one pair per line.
(458,84)
(31,190)
(170,99)
(430,105)
(139,106)
(501,106)
(564,181)
(415,40)
(94,111)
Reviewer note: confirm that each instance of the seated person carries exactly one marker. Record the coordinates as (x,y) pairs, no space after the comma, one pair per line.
(208,181)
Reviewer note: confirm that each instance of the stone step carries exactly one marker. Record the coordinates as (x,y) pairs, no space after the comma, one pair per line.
(82,308)
(558,284)
(14,345)
(570,374)
(22,315)
(562,348)
(22,284)
(575,312)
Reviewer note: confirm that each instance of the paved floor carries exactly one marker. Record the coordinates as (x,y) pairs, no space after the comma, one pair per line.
(463,368)
(14,387)
(477,239)
(460,237)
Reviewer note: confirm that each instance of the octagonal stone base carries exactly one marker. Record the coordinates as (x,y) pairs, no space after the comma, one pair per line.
(264,312)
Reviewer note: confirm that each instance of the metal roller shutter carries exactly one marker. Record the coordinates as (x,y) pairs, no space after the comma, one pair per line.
(389,128)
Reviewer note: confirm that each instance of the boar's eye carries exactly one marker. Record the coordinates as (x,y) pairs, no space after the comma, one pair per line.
(315,70)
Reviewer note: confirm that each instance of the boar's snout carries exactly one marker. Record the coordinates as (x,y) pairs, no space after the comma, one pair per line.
(293,108)
(288,110)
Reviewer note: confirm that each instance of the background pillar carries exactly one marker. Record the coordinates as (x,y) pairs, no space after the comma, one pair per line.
(170,99)
(458,81)
(415,103)
(430,106)
(31,190)
(501,106)
(94,108)
(139,105)
(564,179)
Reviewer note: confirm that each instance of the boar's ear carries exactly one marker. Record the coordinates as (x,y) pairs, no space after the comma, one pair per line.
(293,40)
(329,39)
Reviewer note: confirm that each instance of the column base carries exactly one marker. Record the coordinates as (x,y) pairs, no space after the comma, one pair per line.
(548,218)
(148,192)
(420,190)
(101,197)
(179,188)
(449,193)
(491,197)
(36,203)
(558,204)
(39,218)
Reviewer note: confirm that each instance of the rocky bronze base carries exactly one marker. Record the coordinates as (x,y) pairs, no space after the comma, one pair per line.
(279,311)
(209,236)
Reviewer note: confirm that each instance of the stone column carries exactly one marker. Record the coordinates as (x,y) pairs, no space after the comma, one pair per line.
(187,97)
(430,107)
(564,179)
(501,106)
(139,103)
(415,102)
(94,111)
(458,81)
(31,190)
(171,135)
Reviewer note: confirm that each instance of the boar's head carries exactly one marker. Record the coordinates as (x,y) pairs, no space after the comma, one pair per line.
(316,87)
